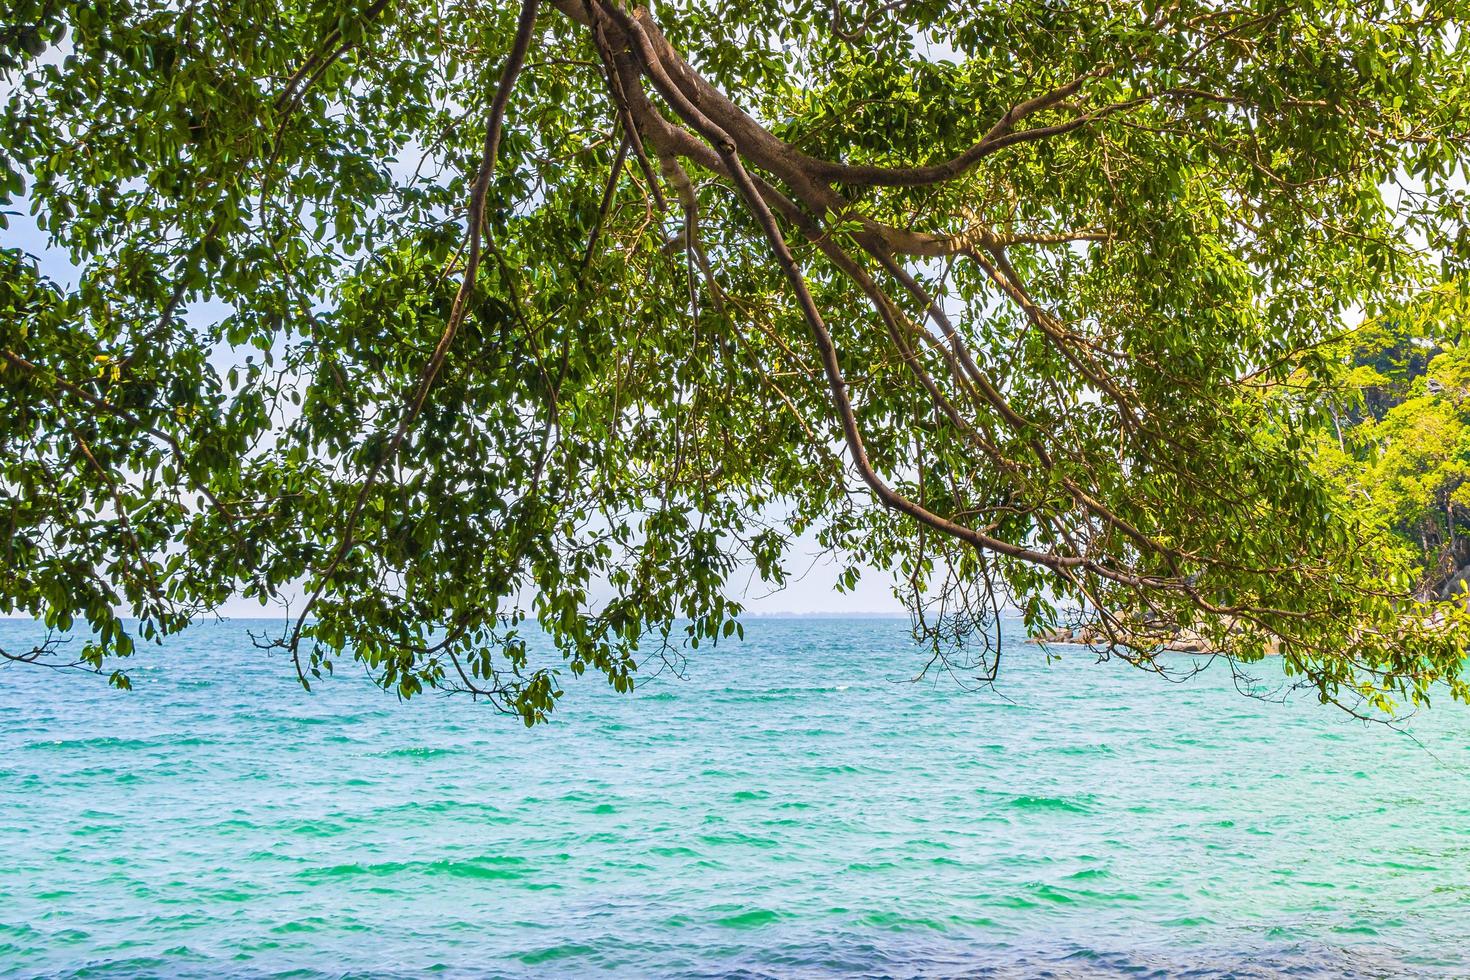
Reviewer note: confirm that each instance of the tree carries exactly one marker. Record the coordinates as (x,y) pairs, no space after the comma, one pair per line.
(1404,454)
(457,313)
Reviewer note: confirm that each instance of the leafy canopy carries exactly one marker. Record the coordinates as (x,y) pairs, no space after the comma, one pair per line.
(456,315)
(1400,444)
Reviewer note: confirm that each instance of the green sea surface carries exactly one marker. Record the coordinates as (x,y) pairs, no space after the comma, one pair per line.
(794,806)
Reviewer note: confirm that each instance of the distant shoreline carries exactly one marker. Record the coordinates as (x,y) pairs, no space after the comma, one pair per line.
(1184,641)
(899,616)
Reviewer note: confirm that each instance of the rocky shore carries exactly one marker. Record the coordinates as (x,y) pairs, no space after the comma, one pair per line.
(1182,641)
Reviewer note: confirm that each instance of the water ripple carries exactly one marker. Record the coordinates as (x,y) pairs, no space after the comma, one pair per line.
(789,810)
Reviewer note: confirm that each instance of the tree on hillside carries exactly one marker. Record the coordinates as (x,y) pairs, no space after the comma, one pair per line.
(454,314)
(1402,449)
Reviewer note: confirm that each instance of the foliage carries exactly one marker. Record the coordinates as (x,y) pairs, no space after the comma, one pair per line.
(454,315)
(1401,451)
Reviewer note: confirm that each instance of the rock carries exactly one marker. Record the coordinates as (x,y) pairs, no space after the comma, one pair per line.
(1056,636)
(1459,583)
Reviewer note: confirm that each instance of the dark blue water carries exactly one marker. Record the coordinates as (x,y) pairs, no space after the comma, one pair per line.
(794,807)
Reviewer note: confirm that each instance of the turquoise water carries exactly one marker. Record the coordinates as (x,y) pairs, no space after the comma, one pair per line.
(793,808)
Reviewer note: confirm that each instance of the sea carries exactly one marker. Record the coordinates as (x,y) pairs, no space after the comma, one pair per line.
(801,803)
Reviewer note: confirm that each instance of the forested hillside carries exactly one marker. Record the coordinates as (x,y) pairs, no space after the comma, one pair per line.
(1400,443)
